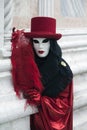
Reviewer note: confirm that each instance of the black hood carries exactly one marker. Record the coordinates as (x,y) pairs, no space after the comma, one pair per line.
(48,65)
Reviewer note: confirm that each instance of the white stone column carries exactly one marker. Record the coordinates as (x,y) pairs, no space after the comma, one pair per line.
(7,27)
(8,18)
(46,8)
(13,115)
(8,13)
(1,23)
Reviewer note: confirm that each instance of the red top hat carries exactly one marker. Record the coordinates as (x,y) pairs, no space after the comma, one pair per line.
(43,27)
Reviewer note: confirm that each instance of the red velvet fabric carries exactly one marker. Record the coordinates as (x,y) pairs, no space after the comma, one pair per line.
(43,27)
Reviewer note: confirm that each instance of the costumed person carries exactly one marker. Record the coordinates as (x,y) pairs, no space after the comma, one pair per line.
(42,75)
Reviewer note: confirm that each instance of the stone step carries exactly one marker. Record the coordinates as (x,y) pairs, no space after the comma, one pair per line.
(73,38)
(73,41)
(5,65)
(72,31)
(80,99)
(76,56)
(80,102)
(80,82)
(12,110)
(6,87)
(80,119)
(17,124)
(80,90)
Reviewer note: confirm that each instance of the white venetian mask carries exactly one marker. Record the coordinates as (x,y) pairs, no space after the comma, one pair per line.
(41,46)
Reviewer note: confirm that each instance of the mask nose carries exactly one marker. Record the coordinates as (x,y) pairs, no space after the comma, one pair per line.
(40,45)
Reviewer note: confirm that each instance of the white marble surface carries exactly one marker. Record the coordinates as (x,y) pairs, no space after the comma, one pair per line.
(1,23)
(18,124)
(46,8)
(5,65)
(12,110)
(80,119)
(73,8)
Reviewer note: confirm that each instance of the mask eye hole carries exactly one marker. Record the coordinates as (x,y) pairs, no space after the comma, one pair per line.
(45,40)
(36,41)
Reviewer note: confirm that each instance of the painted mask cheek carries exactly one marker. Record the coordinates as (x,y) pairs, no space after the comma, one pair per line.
(35,45)
(47,46)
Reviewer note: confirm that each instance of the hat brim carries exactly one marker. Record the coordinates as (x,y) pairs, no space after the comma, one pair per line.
(43,35)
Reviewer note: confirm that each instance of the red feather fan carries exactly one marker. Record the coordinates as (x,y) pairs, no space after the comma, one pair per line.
(25,72)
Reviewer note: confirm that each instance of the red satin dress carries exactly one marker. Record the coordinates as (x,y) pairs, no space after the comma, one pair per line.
(55,113)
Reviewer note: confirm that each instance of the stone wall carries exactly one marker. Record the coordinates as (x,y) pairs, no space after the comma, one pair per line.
(69,14)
